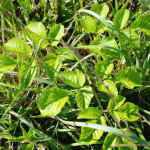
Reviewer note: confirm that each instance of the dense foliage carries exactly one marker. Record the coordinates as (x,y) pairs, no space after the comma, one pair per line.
(75,74)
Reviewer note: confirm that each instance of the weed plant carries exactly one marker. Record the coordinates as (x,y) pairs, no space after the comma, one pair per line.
(75,74)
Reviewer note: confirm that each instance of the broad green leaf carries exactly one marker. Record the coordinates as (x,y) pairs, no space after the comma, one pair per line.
(90,113)
(27,73)
(56,33)
(75,79)
(101,10)
(107,129)
(36,31)
(113,140)
(26,147)
(129,78)
(52,101)
(84,97)
(24,3)
(128,112)
(116,102)
(101,28)
(52,65)
(65,53)
(88,24)
(121,19)
(19,46)
(90,135)
(132,36)
(103,69)
(108,86)
(142,23)
(109,41)
(6,5)
(6,64)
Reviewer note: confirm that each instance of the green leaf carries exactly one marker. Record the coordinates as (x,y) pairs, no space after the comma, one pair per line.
(121,19)
(132,37)
(26,146)
(103,69)
(128,112)
(84,97)
(52,101)
(6,64)
(88,24)
(113,140)
(90,113)
(110,52)
(27,73)
(129,78)
(36,31)
(52,65)
(75,79)
(116,102)
(90,135)
(56,33)
(142,23)
(19,46)
(107,129)
(65,53)
(101,10)
(108,86)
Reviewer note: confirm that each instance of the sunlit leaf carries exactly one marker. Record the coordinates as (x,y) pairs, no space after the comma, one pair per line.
(19,46)
(103,68)
(121,19)
(56,33)
(88,24)
(36,31)
(142,23)
(116,102)
(90,135)
(90,113)
(108,86)
(84,97)
(128,112)
(129,78)
(75,79)
(6,64)
(52,65)
(27,73)
(52,101)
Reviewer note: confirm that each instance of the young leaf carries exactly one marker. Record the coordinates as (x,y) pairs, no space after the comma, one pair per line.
(142,23)
(121,19)
(75,79)
(108,87)
(129,78)
(103,69)
(132,36)
(52,101)
(84,97)
(36,31)
(52,65)
(110,52)
(116,103)
(56,33)
(101,10)
(113,140)
(18,46)
(27,73)
(65,53)
(128,112)
(6,64)
(90,113)
(26,147)
(90,135)
(88,24)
